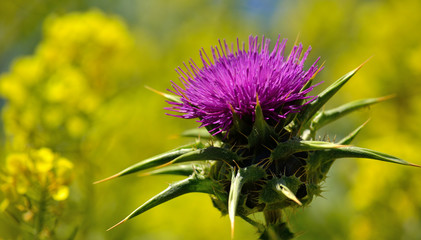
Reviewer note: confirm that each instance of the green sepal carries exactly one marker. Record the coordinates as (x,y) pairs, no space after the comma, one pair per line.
(326,117)
(261,133)
(194,183)
(282,188)
(308,111)
(279,191)
(154,161)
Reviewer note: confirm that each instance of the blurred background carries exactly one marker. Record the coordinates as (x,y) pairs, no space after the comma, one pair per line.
(75,110)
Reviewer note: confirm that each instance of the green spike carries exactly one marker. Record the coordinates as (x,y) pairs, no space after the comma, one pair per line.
(170,97)
(182,170)
(197,132)
(308,111)
(285,149)
(357,152)
(210,153)
(150,163)
(326,117)
(191,184)
(348,139)
(238,179)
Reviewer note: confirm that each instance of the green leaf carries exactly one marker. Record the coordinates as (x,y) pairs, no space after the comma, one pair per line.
(191,184)
(285,149)
(155,161)
(326,117)
(182,170)
(348,139)
(357,152)
(308,111)
(209,153)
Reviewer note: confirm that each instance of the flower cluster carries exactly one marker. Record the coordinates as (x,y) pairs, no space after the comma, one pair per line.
(30,182)
(53,94)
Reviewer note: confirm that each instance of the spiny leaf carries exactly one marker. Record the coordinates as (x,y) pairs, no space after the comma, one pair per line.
(191,184)
(308,111)
(152,162)
(182,170)
(326,117)
(357,152)
(284,149)
(209,153)
(348,139)
(170,97)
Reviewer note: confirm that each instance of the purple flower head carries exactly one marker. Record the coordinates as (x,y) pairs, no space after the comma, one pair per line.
(236,81)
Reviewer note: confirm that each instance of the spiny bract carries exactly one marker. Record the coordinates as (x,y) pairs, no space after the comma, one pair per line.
(260,153)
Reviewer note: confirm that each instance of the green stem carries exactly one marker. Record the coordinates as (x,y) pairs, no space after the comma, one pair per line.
(276,229)
(41,213)
(272,216)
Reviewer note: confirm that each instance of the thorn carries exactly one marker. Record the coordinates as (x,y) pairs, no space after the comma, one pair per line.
(236,164)
(232,228)
(155,91)
(384,98)
(122,221)
(414,165)
(108,178)
(362,64)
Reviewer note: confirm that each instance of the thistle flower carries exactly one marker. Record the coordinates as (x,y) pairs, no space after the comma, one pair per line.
(260,154)
(233,83)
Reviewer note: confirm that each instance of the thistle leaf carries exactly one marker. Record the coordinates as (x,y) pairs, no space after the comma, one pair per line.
(170,97)
(284,149)
(182,170)
(326,117)
(308,111)
(191,184)
(357,152)
(151,162)
(348,139)
(209,153)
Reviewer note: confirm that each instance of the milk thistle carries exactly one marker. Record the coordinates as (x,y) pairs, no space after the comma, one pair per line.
(260,152)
